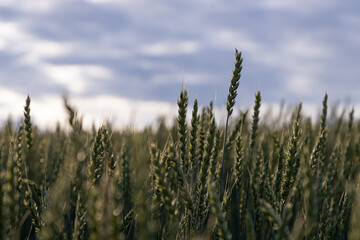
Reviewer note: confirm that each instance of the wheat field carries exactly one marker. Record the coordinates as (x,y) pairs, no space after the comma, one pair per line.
(251,178)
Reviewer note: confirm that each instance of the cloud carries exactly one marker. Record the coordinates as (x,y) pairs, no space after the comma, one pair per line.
(139,50)
(75,78)
(33,6)
(169,48)
(35,52)
(227,38)
(307,48)
(48,110)
(306,6)
(188,78)
(14,39)
(301,85)
(109,1)
(13,107)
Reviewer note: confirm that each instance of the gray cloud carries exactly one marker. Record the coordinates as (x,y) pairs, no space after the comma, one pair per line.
(139,50)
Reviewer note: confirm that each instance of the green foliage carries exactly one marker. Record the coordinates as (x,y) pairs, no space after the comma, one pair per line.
(182,129)
(296,179)
(234,83)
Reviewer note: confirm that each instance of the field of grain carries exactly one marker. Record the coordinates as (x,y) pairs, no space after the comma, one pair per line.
(251,178)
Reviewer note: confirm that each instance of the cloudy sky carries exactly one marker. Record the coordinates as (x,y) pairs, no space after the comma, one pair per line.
(124,60)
